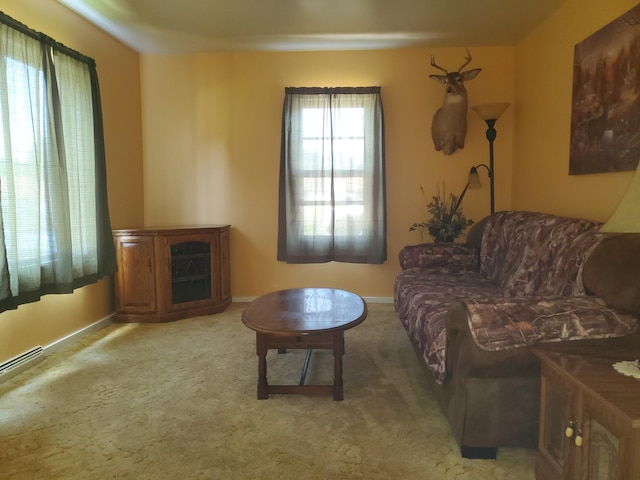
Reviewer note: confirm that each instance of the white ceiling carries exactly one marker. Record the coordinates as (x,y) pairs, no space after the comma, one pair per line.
(187,26)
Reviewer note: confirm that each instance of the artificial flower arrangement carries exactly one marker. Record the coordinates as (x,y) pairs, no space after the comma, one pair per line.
(447,221)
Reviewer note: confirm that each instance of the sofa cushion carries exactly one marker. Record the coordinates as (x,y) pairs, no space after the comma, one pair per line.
(422,300)
(612,272)
(529,253)
(475,234)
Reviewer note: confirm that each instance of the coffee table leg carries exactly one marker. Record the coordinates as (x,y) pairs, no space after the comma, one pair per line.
(338,351)
(261,350)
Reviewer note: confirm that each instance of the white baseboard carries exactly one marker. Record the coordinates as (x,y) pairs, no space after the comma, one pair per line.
(378,299)
(52,347)
(64,341)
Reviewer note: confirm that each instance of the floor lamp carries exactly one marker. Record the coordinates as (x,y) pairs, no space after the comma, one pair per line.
(490,113)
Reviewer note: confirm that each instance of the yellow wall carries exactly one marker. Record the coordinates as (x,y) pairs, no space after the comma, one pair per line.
(56,316)
(544,72)
(212,148)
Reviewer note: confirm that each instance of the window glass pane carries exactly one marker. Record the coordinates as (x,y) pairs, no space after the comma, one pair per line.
(317,189)
(349,220)
(313,154)
(348,154)
(317,220)
(22,130)
(348,122)
(349,189)
(344,157)
(21,79)
(313,122)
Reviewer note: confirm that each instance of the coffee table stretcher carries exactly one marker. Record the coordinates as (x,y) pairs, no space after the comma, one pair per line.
(333,341)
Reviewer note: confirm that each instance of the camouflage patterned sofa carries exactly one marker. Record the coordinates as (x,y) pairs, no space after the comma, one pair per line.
(473,310)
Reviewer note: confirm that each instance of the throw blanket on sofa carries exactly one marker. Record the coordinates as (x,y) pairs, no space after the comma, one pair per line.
(528,253)
(424,310)
(536,261)
(524,288)
(516,322)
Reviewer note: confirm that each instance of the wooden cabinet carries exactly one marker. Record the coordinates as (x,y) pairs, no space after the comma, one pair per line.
(589,417)
(169,273)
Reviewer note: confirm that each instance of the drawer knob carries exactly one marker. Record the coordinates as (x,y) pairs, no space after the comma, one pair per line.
(570,430)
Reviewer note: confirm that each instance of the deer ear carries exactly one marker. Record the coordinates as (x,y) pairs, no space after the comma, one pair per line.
(439,78)
(470,74)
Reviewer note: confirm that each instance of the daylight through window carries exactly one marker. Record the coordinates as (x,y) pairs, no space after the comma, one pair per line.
(332,177)
(53,214)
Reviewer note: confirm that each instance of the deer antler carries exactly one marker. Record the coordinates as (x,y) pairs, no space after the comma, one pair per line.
(434,64)
(468,59)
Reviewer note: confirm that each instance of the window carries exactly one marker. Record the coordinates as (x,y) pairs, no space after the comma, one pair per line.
(332,187)
(55,234)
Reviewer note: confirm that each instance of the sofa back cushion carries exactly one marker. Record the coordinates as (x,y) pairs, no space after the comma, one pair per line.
(530,253)
(476,232)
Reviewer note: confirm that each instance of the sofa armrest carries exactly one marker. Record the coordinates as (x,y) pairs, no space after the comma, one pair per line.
(438,254)
(466,359)
(511,322)
(612,272)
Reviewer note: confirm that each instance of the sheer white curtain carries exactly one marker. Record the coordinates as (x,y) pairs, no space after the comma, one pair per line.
(50,169)
(332,176)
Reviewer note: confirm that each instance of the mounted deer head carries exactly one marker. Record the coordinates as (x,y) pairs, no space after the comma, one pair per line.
(449,126)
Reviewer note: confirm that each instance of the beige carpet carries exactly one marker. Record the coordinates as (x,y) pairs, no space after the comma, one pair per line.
(177,401)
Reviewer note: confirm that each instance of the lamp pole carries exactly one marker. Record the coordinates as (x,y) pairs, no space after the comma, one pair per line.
(491,136)
(490,113)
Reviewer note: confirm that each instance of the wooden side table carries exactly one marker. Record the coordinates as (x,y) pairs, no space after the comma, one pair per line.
(589,416)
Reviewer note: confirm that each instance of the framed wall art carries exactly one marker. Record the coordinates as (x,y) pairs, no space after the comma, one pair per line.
(605,109)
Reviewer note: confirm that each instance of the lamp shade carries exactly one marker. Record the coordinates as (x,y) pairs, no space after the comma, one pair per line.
(474,178)
(490,111)
(626,217)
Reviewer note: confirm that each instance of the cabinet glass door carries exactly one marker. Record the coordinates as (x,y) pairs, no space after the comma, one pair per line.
(603,452)
(190,272)
(558,405)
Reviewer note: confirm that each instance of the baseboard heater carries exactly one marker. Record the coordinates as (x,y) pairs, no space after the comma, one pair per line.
(23,361)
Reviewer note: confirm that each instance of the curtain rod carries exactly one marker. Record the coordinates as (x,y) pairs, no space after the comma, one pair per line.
(47,40)
(331,90)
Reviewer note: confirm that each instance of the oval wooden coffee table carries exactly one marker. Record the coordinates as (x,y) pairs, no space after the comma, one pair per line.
(303,318)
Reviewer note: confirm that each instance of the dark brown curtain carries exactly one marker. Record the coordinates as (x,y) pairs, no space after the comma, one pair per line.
(55,232)
(332,176)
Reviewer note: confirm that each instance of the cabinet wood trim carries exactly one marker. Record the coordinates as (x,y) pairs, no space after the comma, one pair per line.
(600,394)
